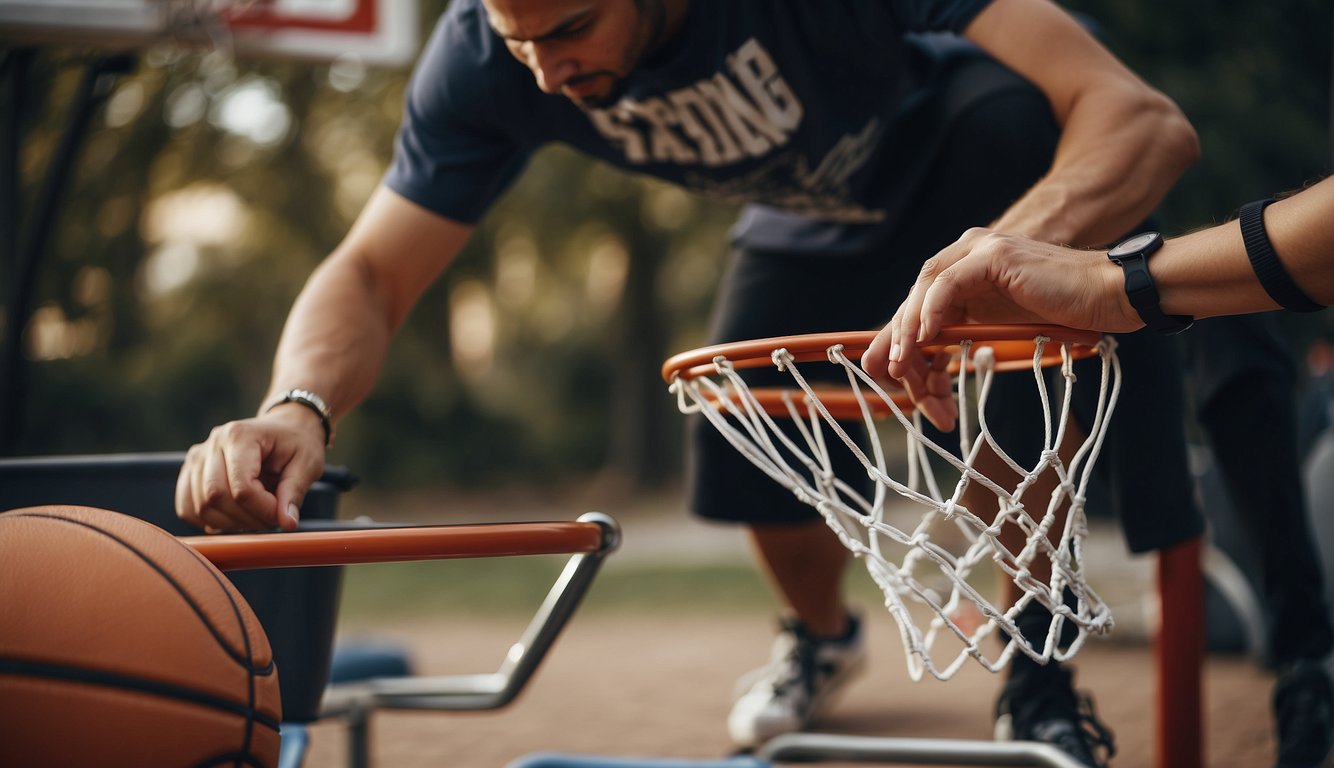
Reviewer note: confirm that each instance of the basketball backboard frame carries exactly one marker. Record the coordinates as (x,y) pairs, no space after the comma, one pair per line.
(381,32)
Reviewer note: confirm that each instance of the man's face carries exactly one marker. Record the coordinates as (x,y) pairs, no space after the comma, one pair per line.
(582,49)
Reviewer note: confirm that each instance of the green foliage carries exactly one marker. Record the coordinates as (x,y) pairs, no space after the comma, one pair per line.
(191,224)
(515,587)
(196,226)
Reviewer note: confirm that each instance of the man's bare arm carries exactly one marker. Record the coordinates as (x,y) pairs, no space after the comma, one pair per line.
(994,277)
(254,473)
(1122,146)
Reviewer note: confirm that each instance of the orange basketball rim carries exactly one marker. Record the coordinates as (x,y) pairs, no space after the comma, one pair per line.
(1014,347)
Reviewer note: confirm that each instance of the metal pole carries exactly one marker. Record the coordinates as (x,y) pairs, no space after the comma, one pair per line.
(14,69)
(94,88)
(1179,657)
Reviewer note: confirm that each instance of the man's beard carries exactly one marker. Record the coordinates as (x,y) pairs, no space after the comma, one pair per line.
(608,98)
(655,14)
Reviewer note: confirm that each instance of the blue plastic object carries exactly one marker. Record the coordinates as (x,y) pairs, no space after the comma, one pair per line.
(553,760)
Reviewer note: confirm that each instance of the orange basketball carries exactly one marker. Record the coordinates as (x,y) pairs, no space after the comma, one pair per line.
(119,645)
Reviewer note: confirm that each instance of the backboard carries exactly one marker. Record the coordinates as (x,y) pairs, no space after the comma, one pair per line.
(382,32)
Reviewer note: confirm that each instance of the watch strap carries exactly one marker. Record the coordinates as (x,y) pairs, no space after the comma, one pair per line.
(1143,292)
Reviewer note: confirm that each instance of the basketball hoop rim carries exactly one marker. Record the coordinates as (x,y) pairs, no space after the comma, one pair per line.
(1012,344)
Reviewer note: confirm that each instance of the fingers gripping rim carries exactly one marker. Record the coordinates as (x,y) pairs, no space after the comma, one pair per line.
(1013,346)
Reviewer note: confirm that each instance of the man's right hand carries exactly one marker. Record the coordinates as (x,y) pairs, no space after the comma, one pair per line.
(991,277)
(252,474)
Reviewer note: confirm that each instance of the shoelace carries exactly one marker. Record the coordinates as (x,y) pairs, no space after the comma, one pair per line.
(1076,728)
(1095,733)
(1303,714)
(801,660)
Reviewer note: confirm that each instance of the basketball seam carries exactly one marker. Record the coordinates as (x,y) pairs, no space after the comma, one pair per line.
(251,670)
(194,606)
(38,669)
(245,638)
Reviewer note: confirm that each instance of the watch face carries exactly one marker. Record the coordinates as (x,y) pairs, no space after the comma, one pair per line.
(1132,245)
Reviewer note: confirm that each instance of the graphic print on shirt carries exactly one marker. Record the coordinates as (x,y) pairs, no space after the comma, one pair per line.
(745,112)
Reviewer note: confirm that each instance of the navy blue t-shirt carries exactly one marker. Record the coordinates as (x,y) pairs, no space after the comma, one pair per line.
(793,106)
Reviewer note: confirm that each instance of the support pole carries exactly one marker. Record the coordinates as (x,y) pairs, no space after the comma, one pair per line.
(1179,656)
(25,260)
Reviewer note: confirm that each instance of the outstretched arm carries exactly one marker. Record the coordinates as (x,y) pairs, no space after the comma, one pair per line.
(254,473)
(1208,273)
(987,276)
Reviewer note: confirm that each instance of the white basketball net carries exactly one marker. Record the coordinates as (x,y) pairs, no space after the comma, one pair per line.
(927,561)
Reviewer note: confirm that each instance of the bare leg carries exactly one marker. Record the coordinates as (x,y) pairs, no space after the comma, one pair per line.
(820,648)
(985,505)
(804,563)
(1038,702)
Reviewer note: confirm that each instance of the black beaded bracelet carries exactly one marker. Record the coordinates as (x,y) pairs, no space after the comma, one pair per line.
(1273,277)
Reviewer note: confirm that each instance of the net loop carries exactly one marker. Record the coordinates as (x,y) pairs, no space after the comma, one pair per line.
(931,555)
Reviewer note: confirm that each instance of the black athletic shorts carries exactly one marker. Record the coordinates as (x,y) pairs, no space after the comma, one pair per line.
(990,155)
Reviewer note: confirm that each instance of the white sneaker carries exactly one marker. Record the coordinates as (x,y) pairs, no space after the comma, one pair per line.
(801,679)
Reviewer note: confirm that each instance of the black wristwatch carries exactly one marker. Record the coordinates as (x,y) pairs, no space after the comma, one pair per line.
(1132,255)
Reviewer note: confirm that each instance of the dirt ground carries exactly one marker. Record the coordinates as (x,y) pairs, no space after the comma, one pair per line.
(661,687)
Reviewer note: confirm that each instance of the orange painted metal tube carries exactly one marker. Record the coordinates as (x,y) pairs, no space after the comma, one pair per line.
(1180,656)
(1013,345)
(382,545)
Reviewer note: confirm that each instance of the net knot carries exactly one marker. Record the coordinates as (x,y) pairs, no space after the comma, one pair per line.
(781,359)
(984,358)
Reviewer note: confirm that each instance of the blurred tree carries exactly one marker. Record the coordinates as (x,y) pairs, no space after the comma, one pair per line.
(179,249)
(24,244)
(209,188)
